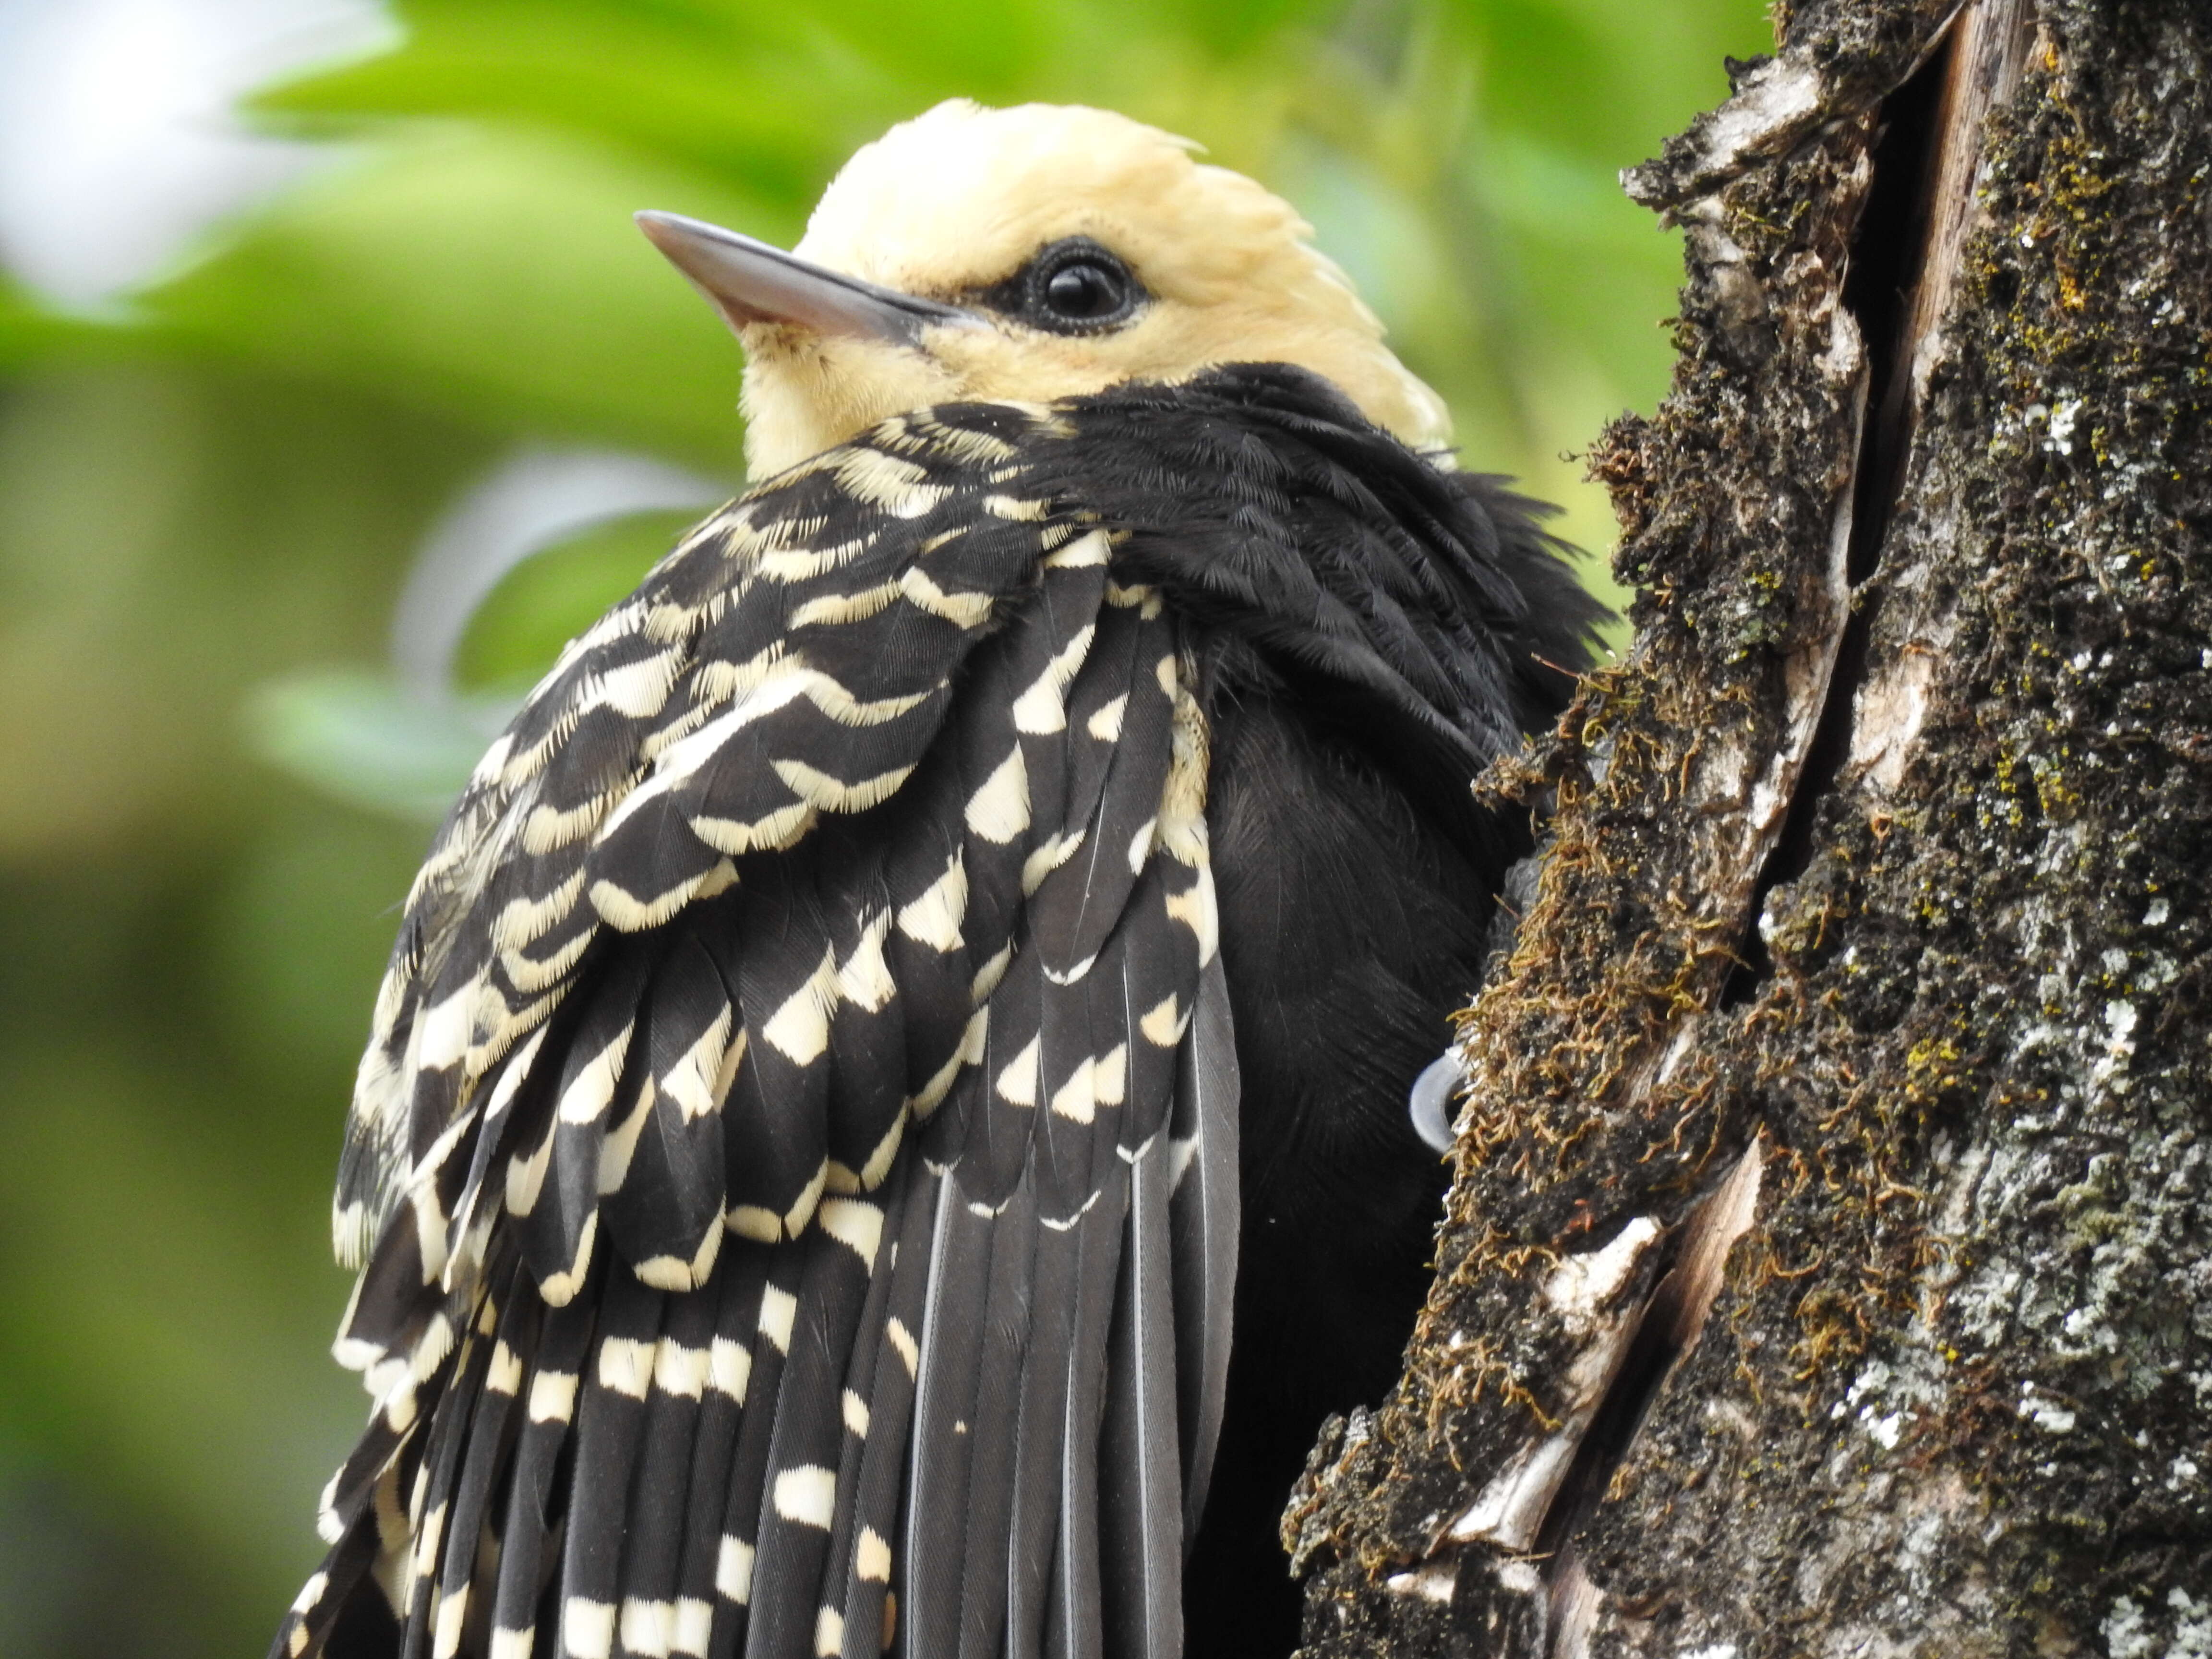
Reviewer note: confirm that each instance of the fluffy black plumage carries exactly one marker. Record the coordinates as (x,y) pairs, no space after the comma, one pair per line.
(1370,631)
(830,1046)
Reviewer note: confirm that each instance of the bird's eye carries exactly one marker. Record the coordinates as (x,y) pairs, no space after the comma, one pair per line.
(1084,291)
(1073,287)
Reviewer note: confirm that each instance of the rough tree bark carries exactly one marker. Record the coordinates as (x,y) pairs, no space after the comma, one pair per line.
(1829,1267)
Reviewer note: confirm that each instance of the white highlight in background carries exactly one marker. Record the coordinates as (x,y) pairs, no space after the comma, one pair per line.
(120,144)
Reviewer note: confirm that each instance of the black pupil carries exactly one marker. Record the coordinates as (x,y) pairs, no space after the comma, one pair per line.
(1083,290)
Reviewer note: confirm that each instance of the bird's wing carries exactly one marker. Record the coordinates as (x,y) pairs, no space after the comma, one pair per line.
(794,1164)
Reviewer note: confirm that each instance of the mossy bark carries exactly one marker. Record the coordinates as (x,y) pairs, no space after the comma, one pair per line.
(1877,889)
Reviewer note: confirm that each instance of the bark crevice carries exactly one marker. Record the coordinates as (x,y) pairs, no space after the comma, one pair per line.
(1905,260)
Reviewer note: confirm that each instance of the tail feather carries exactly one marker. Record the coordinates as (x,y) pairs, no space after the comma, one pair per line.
(858,1405)
(651,1550)
(329,1600)
(800,1497)
(431,1504)
(610,1430)
(933,1530)
(1008,1310)
(1076,1628)
(872,1612)
(529,1549)
(355,1626)
(749,1462)
(462,1598)
(1141,1485)
(1034,1528)
(1202,1224)
(744,1280)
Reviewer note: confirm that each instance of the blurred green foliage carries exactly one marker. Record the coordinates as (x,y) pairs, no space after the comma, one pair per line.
(206,512)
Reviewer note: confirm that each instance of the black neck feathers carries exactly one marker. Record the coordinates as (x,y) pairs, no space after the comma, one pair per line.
(1425,610)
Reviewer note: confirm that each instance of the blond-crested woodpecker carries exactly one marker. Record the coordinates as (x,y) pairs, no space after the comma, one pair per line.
(885,1127)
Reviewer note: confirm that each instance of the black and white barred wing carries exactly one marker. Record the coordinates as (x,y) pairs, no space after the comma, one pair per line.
(798,1135)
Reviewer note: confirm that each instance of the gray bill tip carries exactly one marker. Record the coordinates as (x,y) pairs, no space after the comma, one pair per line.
(750,281)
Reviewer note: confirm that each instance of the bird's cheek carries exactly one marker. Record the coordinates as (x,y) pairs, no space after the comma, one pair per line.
(804,393)
(1169,342)
(1028,366)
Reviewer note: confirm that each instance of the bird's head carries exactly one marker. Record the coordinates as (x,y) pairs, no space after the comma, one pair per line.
(1028,254)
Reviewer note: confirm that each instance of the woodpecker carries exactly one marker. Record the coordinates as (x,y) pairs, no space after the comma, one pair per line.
(886,1129)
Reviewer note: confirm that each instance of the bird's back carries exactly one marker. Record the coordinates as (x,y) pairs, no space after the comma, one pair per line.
(801,1148)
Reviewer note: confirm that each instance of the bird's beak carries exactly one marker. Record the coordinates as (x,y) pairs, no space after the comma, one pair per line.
(750,282)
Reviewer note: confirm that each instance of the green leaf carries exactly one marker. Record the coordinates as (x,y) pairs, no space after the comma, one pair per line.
(30,334)
(683,83)
(491,275)
(360,738)
(774,96)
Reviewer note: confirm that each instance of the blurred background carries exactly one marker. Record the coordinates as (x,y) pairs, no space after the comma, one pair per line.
(336,390)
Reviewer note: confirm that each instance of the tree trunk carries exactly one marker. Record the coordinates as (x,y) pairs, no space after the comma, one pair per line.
(1829,1268)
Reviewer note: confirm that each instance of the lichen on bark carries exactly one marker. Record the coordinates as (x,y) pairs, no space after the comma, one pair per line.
(1883,859)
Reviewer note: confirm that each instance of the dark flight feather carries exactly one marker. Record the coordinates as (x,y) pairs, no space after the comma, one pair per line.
(796,1168)
(462,1611)
(931,1555)
(530,1541)
(652,1547)
(739,1289)
(608,1436)
(1141,1513)
(871,1611)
